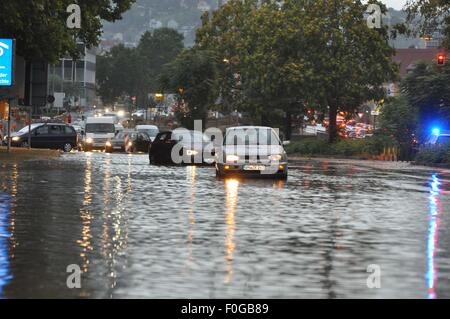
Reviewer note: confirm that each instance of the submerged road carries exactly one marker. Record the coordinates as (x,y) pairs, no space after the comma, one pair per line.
(141,231)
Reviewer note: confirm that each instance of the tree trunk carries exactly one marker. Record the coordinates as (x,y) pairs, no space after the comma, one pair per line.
(288,126)
(333,125)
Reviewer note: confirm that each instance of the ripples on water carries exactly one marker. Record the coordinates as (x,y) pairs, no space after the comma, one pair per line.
(143,231)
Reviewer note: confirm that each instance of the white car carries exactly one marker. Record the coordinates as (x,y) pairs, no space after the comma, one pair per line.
(138,114)
(252,151)
(150,130)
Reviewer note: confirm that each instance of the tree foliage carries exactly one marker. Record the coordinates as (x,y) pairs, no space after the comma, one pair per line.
(136,71)
(427,87)
(429,16)
(40,29)
(297,51)
(398,120)
(192,75)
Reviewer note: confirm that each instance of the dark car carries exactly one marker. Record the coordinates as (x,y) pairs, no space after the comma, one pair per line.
(191,147)
(137,142)
(48,135)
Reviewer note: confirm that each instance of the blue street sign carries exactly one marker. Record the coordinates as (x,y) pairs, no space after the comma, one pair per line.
(6,62)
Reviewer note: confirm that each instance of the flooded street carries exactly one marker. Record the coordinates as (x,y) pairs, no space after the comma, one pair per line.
(141,231)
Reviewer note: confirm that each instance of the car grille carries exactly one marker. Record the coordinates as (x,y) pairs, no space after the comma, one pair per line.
(100,140)
(259,158)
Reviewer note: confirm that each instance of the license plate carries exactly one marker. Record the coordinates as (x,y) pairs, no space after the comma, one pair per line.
(254,168)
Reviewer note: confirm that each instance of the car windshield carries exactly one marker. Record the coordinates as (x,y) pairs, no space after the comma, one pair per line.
(251,136)
(120,136)
(150,132)
(100,128)
(25,129)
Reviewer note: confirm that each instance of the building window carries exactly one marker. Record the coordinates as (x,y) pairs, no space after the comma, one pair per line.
(80,71)
(68,70)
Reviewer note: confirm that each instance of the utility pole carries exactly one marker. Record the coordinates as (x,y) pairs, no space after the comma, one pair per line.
(8,147)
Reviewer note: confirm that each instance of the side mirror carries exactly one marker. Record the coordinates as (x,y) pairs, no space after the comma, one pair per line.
(286,143)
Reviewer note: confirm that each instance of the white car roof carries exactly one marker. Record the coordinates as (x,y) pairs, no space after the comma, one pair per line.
(103,119)
(146,127)
(249,127)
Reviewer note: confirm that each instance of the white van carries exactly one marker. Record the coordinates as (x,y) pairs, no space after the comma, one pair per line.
(98,132)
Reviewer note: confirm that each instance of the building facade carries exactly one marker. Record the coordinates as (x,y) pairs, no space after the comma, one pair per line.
(73,82)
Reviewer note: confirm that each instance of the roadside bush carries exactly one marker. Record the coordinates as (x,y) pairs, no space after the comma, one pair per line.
(433,154)
(343,147)
(309,146)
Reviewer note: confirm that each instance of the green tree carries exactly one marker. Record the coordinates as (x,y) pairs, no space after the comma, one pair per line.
(299,51)
(398,120)
(135,71)
(40,29)
(428,16)
(192,75)
(352,61)
(427,87)
(155,50)
(118,73)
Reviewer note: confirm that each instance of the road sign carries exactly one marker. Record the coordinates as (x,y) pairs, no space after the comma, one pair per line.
(6,62)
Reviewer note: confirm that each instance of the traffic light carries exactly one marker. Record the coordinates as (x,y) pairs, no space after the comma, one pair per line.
(441,59)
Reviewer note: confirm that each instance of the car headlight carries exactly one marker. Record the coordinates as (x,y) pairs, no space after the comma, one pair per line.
(276,157)
(16,139)
(108,144)
(191,152)
(232,158)
(89,140)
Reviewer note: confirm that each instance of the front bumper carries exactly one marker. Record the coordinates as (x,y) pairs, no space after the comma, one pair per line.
(253,169)
(94,146)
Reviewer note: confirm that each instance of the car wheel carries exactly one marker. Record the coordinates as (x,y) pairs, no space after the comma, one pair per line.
(24,144)
(67,147)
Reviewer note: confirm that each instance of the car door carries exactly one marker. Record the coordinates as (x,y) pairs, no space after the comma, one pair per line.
(56,136)
(159,146)
(143,142)
(70,135)
(40,137)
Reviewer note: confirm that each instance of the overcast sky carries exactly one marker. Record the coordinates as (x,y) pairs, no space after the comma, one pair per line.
(396,4)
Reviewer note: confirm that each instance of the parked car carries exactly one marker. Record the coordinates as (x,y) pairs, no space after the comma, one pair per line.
(150,130)
(439,137)
(129,141)
(252,151)
(138,114)
(47,135)
(193,148)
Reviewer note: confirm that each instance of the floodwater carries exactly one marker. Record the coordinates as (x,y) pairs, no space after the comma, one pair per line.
(141,231)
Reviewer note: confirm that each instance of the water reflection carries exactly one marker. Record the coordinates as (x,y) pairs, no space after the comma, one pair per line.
(231,188)
(115,223)
(434,221)
(14,191)
(191,172)
(5,275)
(86,216)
